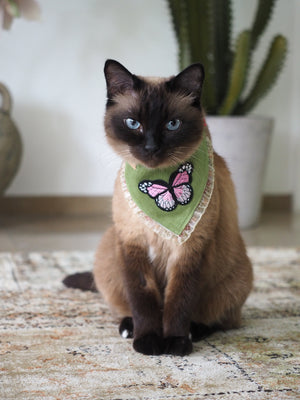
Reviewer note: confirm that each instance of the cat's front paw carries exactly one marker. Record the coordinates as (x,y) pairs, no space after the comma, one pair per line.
(178,345)
(150,344)
(126,328)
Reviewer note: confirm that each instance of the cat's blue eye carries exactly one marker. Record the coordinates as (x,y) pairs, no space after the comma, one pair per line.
(173,124)
(132,123)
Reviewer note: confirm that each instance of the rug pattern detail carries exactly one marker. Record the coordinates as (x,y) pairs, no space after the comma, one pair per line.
(59,343)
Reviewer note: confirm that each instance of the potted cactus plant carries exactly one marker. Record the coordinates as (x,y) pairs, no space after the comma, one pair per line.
(203,32)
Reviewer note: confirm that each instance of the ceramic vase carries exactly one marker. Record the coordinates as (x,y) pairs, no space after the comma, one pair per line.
(10,142)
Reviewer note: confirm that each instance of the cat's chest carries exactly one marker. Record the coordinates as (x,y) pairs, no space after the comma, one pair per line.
(163,257)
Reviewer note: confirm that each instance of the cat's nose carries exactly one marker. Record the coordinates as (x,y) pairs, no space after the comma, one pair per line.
(151,148)
(150,145)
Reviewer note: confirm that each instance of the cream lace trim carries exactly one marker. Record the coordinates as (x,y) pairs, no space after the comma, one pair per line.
(162,231)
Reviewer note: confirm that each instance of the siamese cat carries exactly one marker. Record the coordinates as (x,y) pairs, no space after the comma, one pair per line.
(173,267)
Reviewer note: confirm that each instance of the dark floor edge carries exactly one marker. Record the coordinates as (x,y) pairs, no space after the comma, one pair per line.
(92,205)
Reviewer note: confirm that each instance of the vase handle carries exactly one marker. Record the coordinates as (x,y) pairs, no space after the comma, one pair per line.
(6,99)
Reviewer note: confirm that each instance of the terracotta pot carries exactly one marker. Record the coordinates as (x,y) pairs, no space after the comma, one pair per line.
(10,142)
(244,143)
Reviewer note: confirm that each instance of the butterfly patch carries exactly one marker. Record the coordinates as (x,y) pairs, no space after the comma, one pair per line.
(177,191)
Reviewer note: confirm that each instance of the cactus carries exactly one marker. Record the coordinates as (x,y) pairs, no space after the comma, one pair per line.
(203,32)
(202,43)
(177,8)
(262,17)
(266,76)
(238,73)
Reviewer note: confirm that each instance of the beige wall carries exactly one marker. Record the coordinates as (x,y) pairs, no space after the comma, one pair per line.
(54,70)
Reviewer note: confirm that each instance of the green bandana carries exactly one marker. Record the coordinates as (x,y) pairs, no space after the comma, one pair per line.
(172,200)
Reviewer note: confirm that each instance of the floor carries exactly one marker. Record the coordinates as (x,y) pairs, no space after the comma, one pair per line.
(83,233)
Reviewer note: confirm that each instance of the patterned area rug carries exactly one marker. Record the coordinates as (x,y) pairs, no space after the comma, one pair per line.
(58,343)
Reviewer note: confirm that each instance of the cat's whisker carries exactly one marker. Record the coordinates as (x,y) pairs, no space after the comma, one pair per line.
(174,159)
(110,160)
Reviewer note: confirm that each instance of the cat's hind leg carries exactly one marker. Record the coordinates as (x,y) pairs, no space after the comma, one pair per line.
(202,331)
(231,320)
(108,276)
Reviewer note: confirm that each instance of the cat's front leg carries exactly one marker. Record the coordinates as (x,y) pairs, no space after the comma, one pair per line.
(144,299)
(181,297)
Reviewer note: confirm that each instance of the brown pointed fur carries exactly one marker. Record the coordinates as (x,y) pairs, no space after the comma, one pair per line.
(163,285)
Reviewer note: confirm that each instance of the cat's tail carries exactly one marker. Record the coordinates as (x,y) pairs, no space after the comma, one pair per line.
(81,280)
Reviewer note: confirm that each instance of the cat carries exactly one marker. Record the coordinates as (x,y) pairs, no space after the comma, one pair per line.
(169,289)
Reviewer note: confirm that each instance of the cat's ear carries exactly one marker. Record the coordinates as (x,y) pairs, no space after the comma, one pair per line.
(118,78)
(189,81)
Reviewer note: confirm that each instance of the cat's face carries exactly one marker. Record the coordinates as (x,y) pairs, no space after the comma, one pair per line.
(151,121)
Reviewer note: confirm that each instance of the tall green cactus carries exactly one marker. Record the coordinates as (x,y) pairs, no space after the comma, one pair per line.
(266,76)
(262,17)
(179,19)
(203,32)
(201,43)
(238,73)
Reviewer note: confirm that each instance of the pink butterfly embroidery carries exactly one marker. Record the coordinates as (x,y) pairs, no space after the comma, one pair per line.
(168,195)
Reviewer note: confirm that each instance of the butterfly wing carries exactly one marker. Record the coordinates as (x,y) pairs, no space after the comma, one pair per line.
(182,175)
(183,193)
(180,182)
(166,201)
(159,191)
(153,188)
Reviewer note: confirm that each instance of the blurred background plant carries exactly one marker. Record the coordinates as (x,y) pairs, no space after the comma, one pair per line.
(10,9)
(203,30)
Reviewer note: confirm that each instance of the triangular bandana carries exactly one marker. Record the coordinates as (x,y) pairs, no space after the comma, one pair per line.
(172,200)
